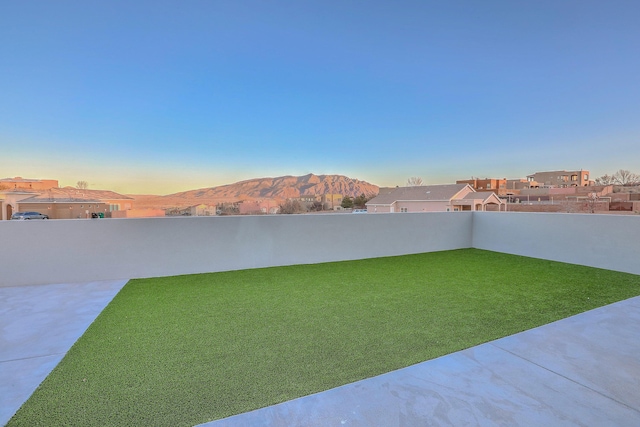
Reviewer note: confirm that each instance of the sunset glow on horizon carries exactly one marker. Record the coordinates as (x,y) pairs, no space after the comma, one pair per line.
(159,97)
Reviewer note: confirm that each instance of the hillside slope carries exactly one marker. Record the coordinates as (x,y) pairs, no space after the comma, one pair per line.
(279,188)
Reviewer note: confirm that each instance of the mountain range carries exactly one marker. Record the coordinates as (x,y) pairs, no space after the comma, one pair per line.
(279,188)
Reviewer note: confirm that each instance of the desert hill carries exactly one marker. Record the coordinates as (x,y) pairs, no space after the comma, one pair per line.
(279,188)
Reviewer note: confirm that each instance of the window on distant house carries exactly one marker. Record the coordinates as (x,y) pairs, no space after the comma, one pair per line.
(586,177)
(489,186)
(403,210)
(574,177)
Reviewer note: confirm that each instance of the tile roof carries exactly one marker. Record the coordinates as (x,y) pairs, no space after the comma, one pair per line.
(419,193)
(101,194)
(479,195)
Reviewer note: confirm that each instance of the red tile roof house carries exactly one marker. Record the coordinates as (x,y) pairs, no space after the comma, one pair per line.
(434,198)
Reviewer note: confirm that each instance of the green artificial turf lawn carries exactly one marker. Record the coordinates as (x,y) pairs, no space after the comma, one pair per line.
(189,349)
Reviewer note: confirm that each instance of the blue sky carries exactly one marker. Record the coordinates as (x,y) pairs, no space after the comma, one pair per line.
(163,96)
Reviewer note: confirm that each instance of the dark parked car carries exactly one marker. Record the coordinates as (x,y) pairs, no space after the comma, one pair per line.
(29,215)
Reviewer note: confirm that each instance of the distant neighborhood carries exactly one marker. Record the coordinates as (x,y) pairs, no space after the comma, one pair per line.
(547,191)
(46,197)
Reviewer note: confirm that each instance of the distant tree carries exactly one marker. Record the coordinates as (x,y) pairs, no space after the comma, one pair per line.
(315,207)
(360,201)
(605,180)
(291,207)
(82,185)
(414,181)
(227,209)
(347,202)
(625,177)
(592,202)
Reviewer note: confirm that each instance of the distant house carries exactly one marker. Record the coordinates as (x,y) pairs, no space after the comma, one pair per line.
(481,201)
(20,183)
(9,201)
(193,210)
(307,201)
(515,185)
(257,207)
(561,179)
(331,202)
(433,198)
(497,185)
(202,210)
(63,203)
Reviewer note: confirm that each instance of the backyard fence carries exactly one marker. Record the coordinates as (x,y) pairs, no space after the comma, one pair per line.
(68,251)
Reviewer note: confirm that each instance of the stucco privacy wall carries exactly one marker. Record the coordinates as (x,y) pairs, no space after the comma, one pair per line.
(67,251)
(604,241)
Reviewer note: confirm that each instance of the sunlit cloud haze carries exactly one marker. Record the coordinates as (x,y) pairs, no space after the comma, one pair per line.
(159,97)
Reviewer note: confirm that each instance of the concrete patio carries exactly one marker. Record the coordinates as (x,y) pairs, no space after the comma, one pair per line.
(38,326)
(583,370)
